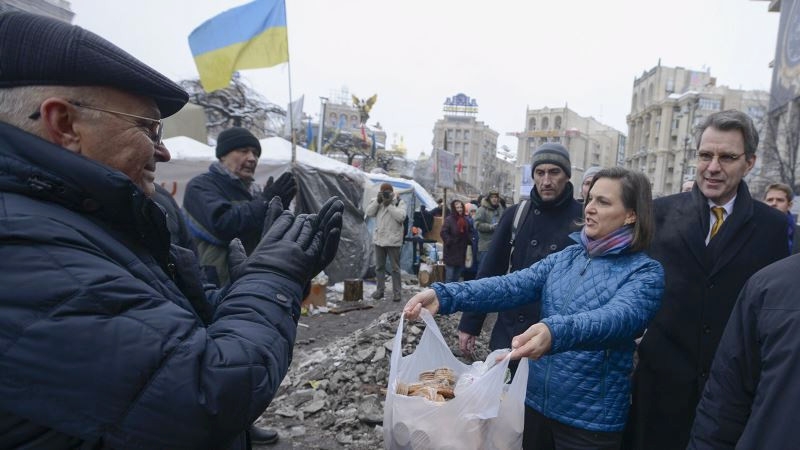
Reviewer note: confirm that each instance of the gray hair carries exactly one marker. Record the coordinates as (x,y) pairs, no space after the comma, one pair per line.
(728,120)
(18,103)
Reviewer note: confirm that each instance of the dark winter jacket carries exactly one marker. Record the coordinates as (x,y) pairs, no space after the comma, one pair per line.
(176,223)
(750,400)
(218,209)
(702,284)
(486,221)
(546,230)
(455,241)
(98,345)
(594,308)
(471,271)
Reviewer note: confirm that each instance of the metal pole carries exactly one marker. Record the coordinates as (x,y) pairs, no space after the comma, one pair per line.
(322,101)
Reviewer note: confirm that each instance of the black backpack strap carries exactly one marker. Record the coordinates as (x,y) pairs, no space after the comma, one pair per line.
(519,220)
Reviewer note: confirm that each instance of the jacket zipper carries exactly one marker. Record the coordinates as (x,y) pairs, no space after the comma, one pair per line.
(606,358)
(563,308)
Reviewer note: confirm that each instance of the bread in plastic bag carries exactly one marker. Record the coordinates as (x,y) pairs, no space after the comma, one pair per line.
(487,414)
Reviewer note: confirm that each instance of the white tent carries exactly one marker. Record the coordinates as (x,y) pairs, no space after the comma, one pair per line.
(319,177)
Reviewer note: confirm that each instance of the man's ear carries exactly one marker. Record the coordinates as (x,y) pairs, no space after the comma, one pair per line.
(58,122)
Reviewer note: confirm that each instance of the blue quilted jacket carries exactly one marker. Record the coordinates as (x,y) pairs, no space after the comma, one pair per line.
(594,307)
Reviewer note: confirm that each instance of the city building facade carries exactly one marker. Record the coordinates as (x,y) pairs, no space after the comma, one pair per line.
(668,103)
(590,143)
(474,145)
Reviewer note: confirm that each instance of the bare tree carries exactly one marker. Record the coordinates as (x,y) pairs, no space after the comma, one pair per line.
(780,146)
(238,105)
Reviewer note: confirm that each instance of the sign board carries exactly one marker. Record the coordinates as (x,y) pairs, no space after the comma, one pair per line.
(446,169)
(786,72)
(527,181)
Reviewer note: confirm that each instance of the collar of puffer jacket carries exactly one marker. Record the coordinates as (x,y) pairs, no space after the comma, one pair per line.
(36,168)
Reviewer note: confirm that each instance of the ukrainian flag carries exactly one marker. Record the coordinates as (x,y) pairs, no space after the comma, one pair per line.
(247,37)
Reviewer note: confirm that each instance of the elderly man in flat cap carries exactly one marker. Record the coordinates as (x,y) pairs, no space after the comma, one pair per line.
(107,340)
(226,203)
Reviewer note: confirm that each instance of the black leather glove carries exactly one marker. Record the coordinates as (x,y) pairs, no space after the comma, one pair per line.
(329,225)
(379,198)
(291,248)
(284,187)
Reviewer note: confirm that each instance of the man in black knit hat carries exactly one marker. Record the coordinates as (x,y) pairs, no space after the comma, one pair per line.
(543,225)
(108,339)
(225,203)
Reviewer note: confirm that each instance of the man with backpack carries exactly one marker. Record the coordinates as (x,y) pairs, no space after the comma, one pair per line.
(389,212)
(527,232)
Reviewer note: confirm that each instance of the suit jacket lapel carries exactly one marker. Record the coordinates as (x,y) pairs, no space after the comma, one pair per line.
(692,223)
(734,233)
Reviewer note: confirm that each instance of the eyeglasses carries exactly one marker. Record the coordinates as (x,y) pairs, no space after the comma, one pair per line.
(723,159)
(155,127)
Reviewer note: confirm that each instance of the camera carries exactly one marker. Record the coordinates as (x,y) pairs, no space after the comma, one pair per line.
(386,195)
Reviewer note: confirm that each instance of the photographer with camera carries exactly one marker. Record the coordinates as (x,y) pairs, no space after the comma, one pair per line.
(389,212)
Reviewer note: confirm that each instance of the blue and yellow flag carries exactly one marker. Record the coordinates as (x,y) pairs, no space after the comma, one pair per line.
(247,37)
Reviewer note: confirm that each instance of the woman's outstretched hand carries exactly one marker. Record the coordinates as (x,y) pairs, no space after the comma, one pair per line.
(425,299)
(533,343)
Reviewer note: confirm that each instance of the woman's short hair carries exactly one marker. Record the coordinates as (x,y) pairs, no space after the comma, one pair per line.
(636,196)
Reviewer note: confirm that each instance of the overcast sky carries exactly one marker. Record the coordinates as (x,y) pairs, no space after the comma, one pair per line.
(507,54)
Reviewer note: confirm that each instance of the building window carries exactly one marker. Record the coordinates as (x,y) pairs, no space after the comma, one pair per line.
(458,134)
(466,134)
(710,104)
(354,121)
(633,105)
(557,139)
(545,123)
(557,123)
(532,124)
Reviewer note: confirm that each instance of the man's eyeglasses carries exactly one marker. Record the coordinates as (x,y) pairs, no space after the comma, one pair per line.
(724,159)
(155,127)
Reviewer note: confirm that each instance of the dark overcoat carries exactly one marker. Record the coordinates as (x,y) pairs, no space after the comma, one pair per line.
(750,400)
(702,284)
(455,241)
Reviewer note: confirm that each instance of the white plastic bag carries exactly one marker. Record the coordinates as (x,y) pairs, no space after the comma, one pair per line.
(486,415)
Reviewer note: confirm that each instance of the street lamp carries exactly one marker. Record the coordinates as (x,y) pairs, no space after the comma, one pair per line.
(322,102)
(688,152)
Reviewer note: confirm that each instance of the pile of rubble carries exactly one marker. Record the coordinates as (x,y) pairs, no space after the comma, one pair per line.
(333,396)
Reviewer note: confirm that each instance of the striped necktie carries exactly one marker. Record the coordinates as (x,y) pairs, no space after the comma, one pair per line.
(718,212)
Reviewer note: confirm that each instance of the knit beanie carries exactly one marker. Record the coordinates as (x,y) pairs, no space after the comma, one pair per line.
(236,137)
(591,172)
(552,153)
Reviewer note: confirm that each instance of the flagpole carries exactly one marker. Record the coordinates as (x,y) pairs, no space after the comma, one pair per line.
(289,71)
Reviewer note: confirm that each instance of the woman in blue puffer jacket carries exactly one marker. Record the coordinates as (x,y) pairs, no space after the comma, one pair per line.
(597,297)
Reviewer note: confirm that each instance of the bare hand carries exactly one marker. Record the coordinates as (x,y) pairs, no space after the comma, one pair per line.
(466,343)
(533,343)
(426,299)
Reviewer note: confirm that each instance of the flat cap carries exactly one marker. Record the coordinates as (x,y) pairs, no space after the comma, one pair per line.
(38,50)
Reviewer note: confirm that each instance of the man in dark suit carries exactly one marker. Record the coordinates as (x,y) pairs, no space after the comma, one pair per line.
(710,241)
